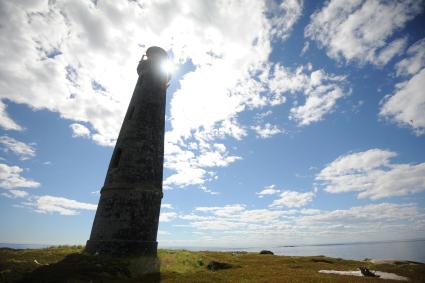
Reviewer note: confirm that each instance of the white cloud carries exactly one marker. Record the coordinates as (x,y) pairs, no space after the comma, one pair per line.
(217,224)
(5,121)
(283,16)
(415,60)
(224,211)
(186,176)
(359,30)
(270,190)
(103,141)
(305,47)
(184,164)
(407,105)
(372,213)
(191,166)
(163,233)
(79,130)
(76,51)
(321,98)
(23,150)
(215,159)
(321,91)
(15,194)
(230,217)
(221,130)
(208,191)
(55,56)
(63,206)
(293,199)
(10,178)
(372,175)
(394,48)
(228,82)
(357,162)
(167,205)
(167,216)
(260,116)
(309,211)
(260,215)
(237,225)
(267,130)
(284,80)
(193,217)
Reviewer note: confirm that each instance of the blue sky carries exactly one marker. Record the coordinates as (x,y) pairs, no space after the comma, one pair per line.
(288,122)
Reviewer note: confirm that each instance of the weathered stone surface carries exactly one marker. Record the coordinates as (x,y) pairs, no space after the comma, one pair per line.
(126,220)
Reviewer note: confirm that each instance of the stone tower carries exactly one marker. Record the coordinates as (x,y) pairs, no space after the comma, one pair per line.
(126,220)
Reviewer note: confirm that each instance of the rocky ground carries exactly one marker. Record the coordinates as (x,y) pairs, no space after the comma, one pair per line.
(70,264)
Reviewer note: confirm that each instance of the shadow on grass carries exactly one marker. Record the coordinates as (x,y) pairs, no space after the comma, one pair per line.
(82,267)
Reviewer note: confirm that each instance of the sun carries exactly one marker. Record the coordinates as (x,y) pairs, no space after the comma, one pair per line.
(167,67)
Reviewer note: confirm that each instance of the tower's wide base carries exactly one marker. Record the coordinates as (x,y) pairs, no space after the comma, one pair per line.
(121,247)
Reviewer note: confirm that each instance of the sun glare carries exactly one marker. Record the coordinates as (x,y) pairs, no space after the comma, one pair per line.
(167,67)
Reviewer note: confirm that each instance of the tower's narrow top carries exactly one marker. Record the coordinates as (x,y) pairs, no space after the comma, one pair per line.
(154,52)
(155,61)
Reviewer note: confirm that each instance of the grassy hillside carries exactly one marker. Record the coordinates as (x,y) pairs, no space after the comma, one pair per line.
(69,264)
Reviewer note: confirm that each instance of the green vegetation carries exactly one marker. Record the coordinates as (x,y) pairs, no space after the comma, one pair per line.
(70,264)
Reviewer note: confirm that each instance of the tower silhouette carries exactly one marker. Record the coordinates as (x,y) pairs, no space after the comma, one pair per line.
(127,216)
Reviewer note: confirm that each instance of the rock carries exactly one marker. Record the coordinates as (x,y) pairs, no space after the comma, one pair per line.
(266,252)
(366,272)
(215,265)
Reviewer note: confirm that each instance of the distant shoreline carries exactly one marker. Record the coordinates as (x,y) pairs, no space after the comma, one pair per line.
(23,246)
(35,245)
(290,246)
(353,243)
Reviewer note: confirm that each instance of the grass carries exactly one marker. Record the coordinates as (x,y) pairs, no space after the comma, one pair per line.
(70,264)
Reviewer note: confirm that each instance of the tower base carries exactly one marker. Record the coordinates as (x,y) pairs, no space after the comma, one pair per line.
(121,247)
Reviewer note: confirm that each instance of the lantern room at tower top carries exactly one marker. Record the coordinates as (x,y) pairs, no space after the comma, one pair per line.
(157,59)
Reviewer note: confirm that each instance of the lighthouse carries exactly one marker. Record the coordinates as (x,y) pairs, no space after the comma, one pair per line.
(126,221)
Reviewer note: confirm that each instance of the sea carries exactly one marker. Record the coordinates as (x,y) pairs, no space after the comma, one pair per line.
(411,250)
(23,246)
